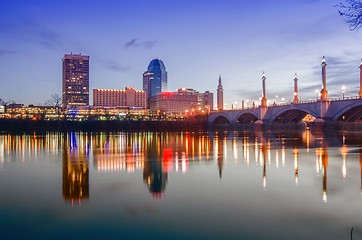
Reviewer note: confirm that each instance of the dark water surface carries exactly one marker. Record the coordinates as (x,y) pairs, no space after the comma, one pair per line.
(186,185)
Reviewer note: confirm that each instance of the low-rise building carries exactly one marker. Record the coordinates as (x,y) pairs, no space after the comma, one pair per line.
(183,101)
(129,97)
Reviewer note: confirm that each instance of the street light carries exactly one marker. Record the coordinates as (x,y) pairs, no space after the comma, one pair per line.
(316,94)
(343,89)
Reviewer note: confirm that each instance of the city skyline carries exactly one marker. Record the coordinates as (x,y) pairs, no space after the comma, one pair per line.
(236,39)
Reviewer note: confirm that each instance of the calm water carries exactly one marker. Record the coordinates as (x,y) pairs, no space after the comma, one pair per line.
(216,185)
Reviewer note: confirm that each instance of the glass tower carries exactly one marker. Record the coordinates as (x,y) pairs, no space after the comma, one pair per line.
(155,79)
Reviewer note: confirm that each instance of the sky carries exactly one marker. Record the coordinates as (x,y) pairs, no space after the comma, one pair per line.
(198,40)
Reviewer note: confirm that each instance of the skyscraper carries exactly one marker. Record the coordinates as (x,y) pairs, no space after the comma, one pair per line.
(75,80)
(155,79)
(220,95)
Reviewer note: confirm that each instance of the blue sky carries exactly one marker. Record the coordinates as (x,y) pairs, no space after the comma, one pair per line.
(197,40)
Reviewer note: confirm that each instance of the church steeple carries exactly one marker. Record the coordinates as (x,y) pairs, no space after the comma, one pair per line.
(220,95)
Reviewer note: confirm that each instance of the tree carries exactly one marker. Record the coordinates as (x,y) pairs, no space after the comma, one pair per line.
(5,103)
(54,101)
(351,10)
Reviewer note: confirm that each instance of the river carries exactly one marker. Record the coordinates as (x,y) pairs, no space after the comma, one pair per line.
(181,185)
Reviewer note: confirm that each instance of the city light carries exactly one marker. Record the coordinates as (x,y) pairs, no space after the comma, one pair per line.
(343,91)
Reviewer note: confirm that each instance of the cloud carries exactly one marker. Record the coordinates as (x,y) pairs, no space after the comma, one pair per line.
(30,31)
(116,66)
(44,36)
(340,70)
(149,44)
(4,52)
(134,43)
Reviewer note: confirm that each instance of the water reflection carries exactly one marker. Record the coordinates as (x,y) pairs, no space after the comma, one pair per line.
(360,164)
(296,164)
(156,155)
(220,141)
(75,169)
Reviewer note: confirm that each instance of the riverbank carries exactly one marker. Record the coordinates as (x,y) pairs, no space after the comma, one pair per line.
(26,125)
(199,123)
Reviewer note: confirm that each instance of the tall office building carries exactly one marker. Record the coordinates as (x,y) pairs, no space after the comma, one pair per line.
(155,79)
(220,96)
(75,80)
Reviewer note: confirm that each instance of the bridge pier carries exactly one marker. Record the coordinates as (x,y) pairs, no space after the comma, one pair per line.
(324,92)
(295,93)
(324,107)
(264,106)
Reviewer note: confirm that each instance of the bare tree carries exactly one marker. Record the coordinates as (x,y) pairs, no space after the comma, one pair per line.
(6,103)
(54,101)
(351,10)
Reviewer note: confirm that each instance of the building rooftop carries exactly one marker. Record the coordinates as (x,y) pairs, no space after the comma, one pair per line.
(156,65)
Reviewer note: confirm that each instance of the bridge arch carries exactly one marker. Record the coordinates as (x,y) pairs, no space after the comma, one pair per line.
(221,119)
(352,113)
(290,116)
(246,118)
(293,113)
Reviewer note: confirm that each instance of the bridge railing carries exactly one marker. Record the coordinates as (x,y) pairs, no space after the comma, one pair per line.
(344,98)
(288,103)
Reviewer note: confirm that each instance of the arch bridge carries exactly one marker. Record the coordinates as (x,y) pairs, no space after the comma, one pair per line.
(339,110)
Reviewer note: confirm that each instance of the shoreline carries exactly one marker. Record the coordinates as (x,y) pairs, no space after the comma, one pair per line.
(192,124)
(28,125)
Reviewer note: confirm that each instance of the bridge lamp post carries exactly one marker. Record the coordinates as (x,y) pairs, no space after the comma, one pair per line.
(316,94)
(343,90)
